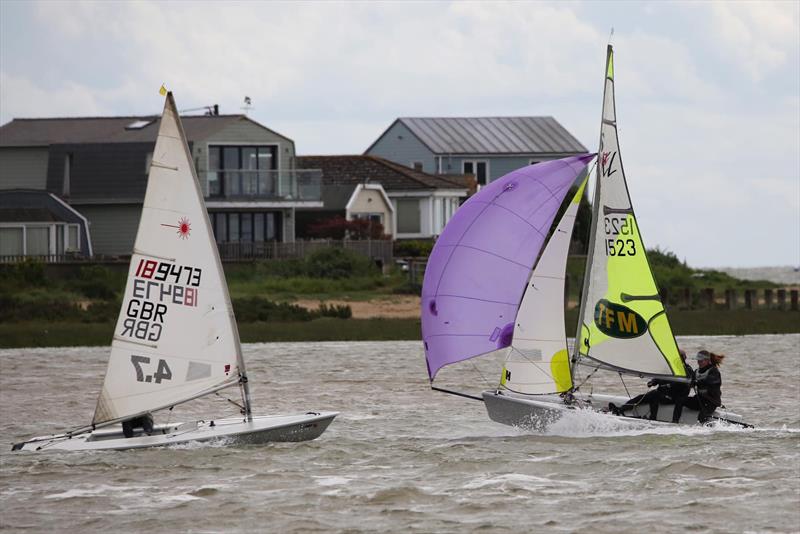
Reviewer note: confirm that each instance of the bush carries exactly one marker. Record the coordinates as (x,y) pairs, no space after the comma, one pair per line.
(340,228)
(13,309)
(98,282)
(29,272)
(339,263)
(257,309)
(335,310)
(416,249)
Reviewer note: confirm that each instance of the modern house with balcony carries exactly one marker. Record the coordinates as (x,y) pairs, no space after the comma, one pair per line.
(486,147)
(98,168)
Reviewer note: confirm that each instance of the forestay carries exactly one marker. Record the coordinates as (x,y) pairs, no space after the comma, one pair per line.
(176,337)
(538,359)
(623,323)
(480,265)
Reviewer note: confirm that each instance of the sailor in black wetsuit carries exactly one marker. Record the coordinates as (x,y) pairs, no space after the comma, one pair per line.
(709,388)
(145,422)
(667,392)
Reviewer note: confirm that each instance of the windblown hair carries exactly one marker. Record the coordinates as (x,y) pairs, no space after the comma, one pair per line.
(716,359)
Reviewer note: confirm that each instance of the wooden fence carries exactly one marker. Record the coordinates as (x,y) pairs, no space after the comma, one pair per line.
(378,250)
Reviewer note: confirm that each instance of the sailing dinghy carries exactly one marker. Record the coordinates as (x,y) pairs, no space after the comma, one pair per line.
(176,337)
(492,289)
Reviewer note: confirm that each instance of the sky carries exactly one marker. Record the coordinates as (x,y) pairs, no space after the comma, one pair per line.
(708,93)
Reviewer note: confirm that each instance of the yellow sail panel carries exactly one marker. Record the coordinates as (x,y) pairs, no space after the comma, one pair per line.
(631,306)
(610,70)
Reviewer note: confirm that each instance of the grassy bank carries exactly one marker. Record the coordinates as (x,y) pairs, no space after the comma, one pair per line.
(54,334)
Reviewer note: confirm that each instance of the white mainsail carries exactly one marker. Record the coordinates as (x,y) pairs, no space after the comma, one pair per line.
(538,359)
(176,337)
(622,324)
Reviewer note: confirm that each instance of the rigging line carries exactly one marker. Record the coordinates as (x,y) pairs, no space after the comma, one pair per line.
(458,394)
(241,408)
(586,379)
(472,361)
(628,393)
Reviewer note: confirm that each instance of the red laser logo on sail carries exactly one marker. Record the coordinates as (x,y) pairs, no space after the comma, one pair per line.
(184,227)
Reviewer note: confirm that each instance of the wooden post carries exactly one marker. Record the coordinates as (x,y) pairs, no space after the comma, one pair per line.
(708,297)
(782,299)
(768,299)
(731,299)
(687,298)
(750,299)
(794,304)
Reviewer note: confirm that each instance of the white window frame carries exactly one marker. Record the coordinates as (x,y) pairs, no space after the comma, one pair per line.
(53,229)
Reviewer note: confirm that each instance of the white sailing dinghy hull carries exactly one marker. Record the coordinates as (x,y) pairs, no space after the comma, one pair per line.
(233,431)
(539,413)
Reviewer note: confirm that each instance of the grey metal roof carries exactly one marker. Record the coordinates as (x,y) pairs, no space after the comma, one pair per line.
(493,135)
(50,131)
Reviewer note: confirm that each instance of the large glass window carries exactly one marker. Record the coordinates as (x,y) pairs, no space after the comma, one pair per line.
(11,241)
(233,227)
(73,237)
(246,227)
(241,170)
(37,241)
(408,216)
(258,227)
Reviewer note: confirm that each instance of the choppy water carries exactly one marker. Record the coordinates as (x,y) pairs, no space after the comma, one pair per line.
(404,458)
(780,275)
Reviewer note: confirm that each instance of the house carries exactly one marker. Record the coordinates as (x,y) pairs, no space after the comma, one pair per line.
(486,147)
(362,185)
(98,167)
(38,223)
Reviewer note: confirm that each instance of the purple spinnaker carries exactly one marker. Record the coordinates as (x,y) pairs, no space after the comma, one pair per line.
(479,267)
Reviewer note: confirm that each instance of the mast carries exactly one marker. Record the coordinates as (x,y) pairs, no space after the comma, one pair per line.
(243,381)
(576,354)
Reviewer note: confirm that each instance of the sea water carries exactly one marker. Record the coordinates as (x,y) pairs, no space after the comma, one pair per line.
(402,458)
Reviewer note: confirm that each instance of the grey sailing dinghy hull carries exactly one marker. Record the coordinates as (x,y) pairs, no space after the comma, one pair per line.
(233,431)
(540,412)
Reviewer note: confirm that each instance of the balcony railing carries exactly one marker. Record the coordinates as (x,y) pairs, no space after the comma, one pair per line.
(285,184)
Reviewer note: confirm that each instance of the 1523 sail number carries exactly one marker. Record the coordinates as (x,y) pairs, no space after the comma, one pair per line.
(163,372)
(616,245)
(620,247)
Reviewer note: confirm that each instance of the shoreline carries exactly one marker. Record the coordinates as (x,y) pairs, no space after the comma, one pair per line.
(31,334)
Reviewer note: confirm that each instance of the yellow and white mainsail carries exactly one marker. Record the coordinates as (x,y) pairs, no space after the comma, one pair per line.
(622,324)
(538,359)
(176,337)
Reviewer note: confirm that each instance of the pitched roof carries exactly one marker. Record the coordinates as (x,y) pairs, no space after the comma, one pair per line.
(357,169)
(75,130)
(493,135)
